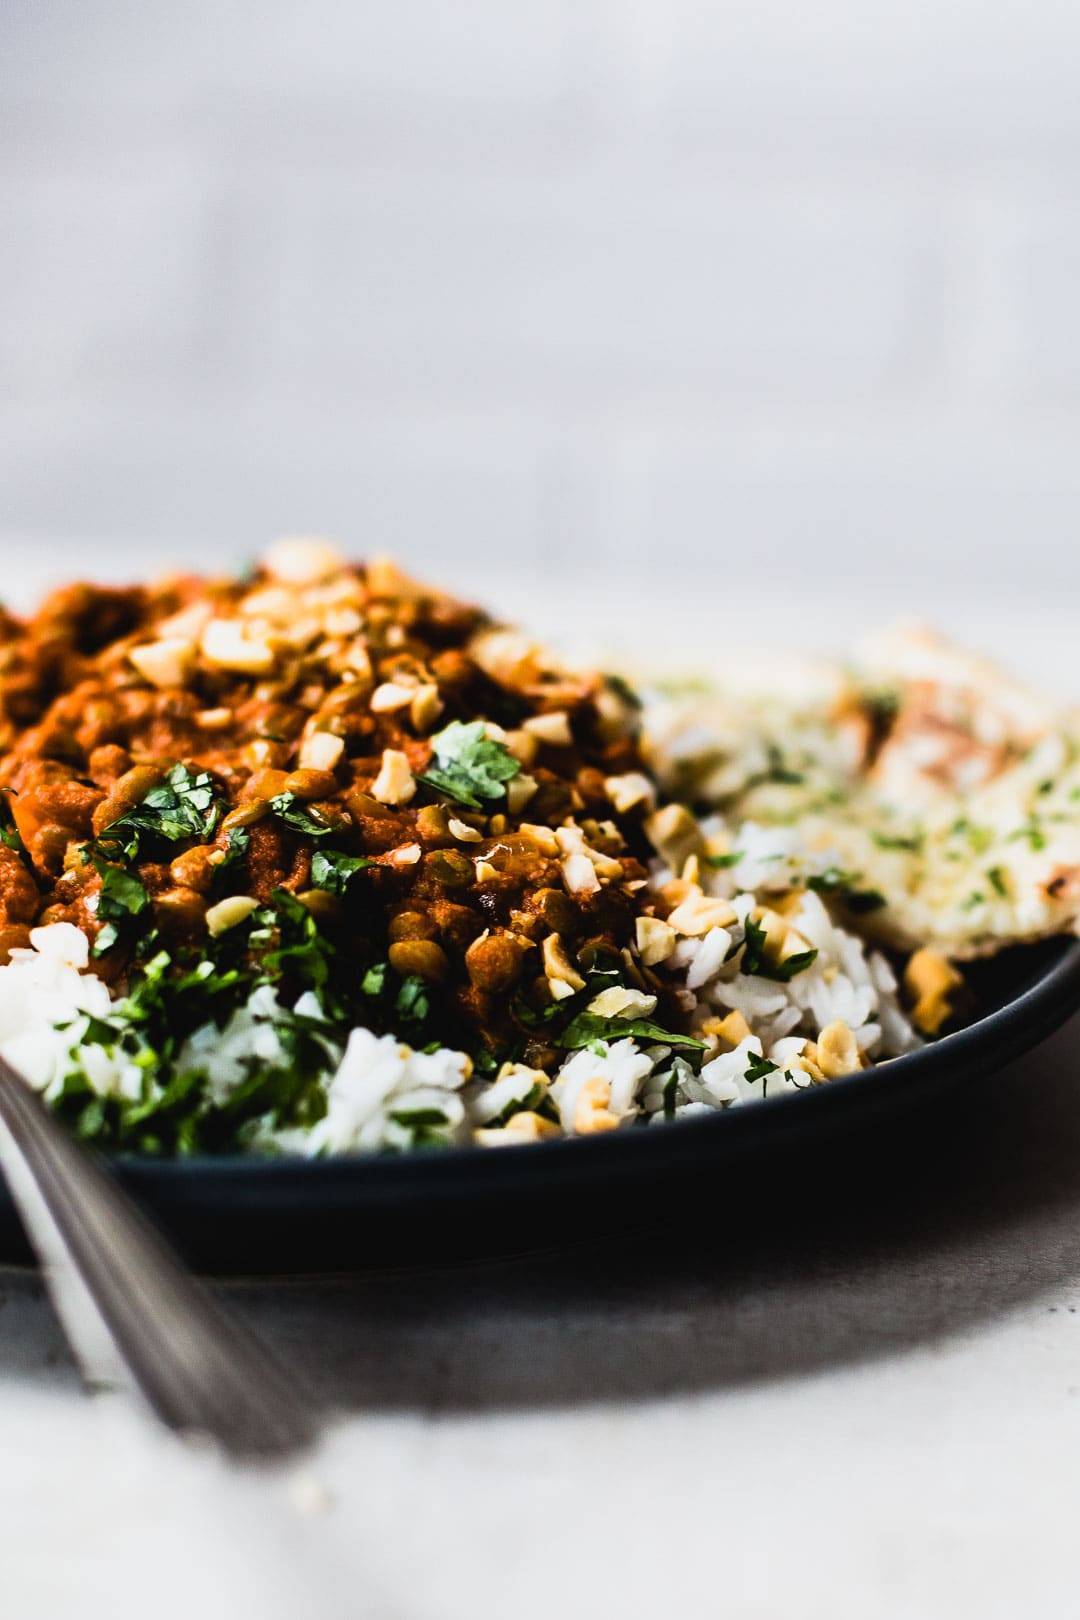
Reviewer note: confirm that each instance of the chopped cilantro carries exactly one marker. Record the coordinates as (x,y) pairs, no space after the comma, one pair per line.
(587,1027)
(978,838)
(623,690)
(418,1116)
(834,880)
(776,771)
(997,878)
(374,981)
(754,960)
(412,1002)
(1032,832)
(300,951)
(912,842)
(296,814)
(183,806)
(9,833)
(470,767)
(237,846)
(758,1067)
(122,899)
(333,870)
(882,704)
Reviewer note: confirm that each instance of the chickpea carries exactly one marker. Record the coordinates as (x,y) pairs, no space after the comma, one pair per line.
(494,963)
(411,925)
(180,911)
(433,821)
(349,696)
(421,957)
(308,784)
(246,815)
(362,805)
(129,791)
(324,907)
(551,802)
(280,721)
(194,868)
(265,784)
(263,753)
(451,669)
(555,908)
(449,867)
(49,845)
(107,764)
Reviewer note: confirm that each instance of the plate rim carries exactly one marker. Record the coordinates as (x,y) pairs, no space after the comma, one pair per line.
(1019,1024)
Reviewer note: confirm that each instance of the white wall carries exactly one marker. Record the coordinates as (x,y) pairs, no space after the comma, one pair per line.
(783,290)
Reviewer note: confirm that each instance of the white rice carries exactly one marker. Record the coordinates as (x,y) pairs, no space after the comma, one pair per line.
(383,1095)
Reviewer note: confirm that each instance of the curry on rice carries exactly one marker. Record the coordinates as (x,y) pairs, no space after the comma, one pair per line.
(321,860)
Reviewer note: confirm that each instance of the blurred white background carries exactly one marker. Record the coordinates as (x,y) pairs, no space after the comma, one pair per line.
(784,295)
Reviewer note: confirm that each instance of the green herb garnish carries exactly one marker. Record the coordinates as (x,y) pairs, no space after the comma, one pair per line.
(1032,832)
(237,846)
(121,900)
(912,842)
(183,806)
(754,959)
(333,870)
(296,814)
(470,767)
(776,771)
(587,1027)
(834,880)
(9,833)
(997,878)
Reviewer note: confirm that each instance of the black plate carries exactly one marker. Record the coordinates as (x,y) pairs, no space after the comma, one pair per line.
(291,1215)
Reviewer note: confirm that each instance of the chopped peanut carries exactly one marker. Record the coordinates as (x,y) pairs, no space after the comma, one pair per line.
(699,913)
(391,695)
(732,1030)
(837,1051)
(619,1002)
(592,1113)
(627,791)
(543,837)
(525,1126)
(674,834)
(550,728)
(557,964)
(463,832)
(579,874)
(655,940)
(227,643)
(395,783)
(519,790)
(426,706)
(167,662)
(302,560)
(931,981)
(228,913)
(322,751)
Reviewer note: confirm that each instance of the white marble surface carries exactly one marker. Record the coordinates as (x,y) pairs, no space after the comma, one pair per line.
(854,1392)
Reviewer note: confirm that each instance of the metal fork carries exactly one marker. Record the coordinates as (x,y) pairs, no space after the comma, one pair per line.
(131,1313)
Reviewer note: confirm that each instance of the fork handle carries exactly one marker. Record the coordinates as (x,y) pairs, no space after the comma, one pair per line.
(128,1305)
